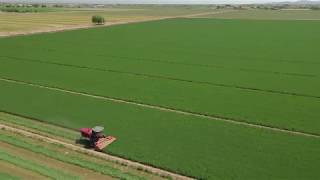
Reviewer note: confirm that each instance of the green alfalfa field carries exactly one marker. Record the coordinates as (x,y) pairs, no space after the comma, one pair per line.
(263,73)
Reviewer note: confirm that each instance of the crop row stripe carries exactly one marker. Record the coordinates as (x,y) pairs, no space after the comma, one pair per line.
(167,109)
(211,66)
(156,60)
(167,78)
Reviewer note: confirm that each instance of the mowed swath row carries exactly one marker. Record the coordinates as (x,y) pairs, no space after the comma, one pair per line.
(292,104)
(192,146)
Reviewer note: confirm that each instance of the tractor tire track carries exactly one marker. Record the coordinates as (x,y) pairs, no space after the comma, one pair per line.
(97,154)
(168,109)
(167,78)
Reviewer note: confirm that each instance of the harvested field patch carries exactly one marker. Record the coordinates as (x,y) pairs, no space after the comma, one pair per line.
(57,156)
(52,163)
(17,171)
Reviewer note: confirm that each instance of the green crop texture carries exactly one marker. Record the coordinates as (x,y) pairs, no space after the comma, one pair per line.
(38,168)
(68,159)
(260,72)
(188,145)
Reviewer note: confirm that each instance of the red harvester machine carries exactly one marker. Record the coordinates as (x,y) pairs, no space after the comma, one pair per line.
(97,140)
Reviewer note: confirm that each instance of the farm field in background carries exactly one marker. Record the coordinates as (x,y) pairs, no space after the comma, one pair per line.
(151,83)
(71,18)
(285,14)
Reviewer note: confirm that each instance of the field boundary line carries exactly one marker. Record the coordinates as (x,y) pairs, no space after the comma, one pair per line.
(245,88)
(166,109)
(102,155)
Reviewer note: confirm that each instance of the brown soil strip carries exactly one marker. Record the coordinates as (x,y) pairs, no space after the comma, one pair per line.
(100,155)
(19,172)
(116,100)
(75,170)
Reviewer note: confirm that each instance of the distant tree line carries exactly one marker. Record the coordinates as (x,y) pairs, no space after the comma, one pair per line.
(315,8)
(24,8)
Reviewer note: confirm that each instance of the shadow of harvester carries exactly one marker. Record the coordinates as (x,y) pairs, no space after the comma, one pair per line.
(84,143)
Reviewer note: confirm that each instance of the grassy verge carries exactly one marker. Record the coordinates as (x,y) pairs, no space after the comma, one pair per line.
(38,168)
(71,159)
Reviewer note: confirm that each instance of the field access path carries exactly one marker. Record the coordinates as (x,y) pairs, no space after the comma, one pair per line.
(150,106)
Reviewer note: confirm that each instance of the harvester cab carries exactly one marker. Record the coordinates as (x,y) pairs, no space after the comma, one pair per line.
(96,138)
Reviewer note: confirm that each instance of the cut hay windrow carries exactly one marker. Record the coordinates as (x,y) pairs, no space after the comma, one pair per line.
(75,160)
(35,167)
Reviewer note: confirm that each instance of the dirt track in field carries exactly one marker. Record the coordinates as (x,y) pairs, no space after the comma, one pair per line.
(96,154)
(167,109)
